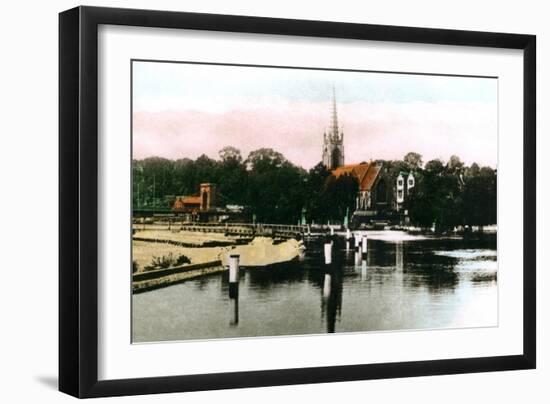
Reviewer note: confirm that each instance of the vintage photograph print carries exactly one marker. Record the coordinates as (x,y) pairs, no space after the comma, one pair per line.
(271,201)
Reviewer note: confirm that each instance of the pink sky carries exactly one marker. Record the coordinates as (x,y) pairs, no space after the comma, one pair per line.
(372,130)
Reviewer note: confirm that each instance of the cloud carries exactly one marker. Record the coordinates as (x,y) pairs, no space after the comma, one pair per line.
(372,130)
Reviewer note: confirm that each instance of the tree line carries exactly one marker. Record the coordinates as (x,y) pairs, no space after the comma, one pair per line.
(451,194)
(277,191)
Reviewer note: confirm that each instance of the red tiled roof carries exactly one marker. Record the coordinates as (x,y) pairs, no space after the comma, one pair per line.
(366,173)
(368,180)
(192,200)
(186,203)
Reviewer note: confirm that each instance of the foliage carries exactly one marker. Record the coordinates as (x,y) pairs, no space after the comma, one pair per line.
(340,195)
(167,261)
(452,194)
(413,161)
(277,191)
(316,204)
(329,198)
(266,182)
(182,259)
(479,198)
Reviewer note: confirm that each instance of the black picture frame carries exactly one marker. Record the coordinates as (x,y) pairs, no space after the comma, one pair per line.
(78,201)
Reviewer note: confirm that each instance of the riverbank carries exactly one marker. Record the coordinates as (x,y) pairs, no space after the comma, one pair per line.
(185,238)
(262,251)
(150,280)
(148,249)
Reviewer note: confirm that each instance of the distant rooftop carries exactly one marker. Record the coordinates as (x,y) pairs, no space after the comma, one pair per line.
(366,173)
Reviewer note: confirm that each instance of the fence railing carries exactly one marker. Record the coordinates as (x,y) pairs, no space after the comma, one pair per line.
(237,228)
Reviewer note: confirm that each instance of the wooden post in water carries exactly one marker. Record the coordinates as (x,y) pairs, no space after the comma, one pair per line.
(364,246)
(233,261)
(357,238)
(328,254)
(234,308)
(326,286)
(357,256)
(363,269)
(328,264)
(357,250)
(233,268)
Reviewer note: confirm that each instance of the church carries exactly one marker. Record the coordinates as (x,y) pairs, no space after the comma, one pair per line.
(380,196)
(333,140)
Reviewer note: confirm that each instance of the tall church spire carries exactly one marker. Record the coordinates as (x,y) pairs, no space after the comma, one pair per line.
(334,123)
(333,140)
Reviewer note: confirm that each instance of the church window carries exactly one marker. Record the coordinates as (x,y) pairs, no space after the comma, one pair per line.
(335,158)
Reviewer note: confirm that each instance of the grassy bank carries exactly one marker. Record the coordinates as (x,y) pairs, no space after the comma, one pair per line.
(261,251)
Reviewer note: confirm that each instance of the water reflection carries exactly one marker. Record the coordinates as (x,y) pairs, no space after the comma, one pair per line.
(234,311)
(364,270)
(396,284)
(331,302)
(399,256)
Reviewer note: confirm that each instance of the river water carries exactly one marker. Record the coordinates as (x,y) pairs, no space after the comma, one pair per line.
(405,282)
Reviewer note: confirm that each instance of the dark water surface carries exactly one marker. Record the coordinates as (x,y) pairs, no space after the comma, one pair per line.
(406,282)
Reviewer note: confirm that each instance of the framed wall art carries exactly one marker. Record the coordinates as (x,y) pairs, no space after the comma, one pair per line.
(251,201)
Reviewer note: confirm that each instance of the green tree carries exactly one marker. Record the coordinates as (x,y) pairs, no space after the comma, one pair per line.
(316,204)
(340,194)
(233,177)
(156,181)
(264,159)
(435,167)
(413,161)
(455,165)
(206,170)
(230,155)
(137,184)
(447,194)
(184,177)
(433,200)
(479,201)
(275,189)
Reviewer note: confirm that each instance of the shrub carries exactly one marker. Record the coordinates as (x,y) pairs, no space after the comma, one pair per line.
(183,259)
(164,261)
(167,261)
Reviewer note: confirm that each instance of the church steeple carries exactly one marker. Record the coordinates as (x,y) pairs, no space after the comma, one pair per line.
(334,126)
(333,140)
